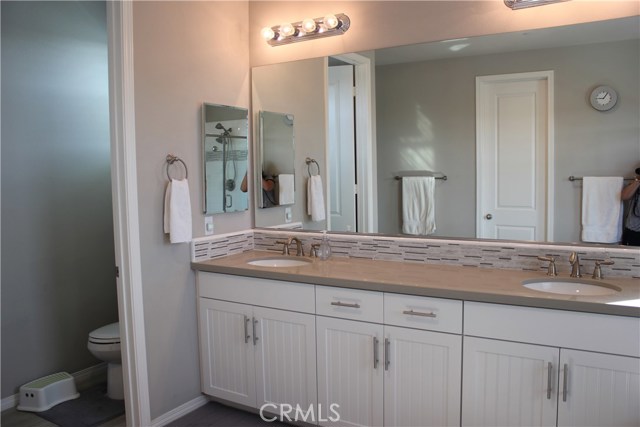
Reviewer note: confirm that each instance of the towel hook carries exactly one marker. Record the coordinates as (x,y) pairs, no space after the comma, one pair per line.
(171,159)
(308,161)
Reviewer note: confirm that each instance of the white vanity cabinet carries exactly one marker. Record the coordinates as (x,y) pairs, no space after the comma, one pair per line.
(521,368)
(255,355)
(381,374)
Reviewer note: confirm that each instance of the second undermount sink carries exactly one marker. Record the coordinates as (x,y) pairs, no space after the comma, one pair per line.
(283,261)
(571,286)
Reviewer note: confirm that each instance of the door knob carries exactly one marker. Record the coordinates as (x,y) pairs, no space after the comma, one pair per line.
(488,216)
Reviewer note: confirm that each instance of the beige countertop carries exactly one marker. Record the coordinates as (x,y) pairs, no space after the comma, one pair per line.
(443,281)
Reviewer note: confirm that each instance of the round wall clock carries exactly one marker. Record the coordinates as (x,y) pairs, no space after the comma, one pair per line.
(603,98)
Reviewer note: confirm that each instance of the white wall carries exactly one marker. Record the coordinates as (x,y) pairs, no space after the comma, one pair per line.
(185,53)
(58,278)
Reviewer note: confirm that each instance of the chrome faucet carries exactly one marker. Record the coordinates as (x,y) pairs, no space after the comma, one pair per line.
(574,260)
(290,240)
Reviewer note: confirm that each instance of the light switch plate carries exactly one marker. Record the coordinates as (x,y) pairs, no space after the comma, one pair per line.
(288,216)
(208,225)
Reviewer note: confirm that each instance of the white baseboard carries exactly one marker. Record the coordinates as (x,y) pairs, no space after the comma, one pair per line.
(179,412)
(84,379)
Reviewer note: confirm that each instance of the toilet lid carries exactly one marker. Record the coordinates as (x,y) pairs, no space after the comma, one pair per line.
(106,334)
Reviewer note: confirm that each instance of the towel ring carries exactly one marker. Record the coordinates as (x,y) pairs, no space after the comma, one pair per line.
(308,161)
(171,159)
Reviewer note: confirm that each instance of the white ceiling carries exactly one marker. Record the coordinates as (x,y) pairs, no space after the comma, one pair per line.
(570,35)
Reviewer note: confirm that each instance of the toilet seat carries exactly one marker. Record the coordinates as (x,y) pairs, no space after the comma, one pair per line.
(109,334)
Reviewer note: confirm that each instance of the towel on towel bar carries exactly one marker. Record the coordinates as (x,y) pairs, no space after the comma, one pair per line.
(602,209)
(285,189)
(177,211)
(315,198)
(418,210)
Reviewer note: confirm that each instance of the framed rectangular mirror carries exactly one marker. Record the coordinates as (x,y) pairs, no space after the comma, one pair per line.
(225,150)
(276,158)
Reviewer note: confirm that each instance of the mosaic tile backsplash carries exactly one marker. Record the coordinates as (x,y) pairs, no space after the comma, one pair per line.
(474,254)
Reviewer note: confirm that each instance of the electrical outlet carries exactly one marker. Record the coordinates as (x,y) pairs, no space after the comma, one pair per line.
(288,216)
(208,225)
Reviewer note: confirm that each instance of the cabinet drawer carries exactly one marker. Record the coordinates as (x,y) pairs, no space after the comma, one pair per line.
(354,304)
(261,292)
(435,314)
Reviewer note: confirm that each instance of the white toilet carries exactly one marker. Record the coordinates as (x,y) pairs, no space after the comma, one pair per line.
(104,343)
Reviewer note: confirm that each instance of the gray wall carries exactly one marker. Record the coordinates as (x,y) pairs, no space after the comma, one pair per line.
(185,53)
(57,235)
(426,120)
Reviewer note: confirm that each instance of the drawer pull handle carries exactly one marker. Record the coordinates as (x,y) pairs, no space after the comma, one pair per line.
(418,313)
(387,353)
(375,352)
(255,336)
(564,382)
(344,304)
(549,378)
(246,329)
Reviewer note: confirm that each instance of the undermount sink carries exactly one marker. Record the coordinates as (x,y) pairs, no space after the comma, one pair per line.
(283,261)
(570,286)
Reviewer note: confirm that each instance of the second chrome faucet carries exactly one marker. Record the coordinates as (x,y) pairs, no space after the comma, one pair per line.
(574,260)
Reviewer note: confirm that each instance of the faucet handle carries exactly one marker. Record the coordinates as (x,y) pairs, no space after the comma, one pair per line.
(597,271)
(313,252)
(285,247)
(551,269)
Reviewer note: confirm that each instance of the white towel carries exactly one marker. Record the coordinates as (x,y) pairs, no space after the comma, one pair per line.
(601,209)
(285,189)
(315,198)
(177,211)
(418,215)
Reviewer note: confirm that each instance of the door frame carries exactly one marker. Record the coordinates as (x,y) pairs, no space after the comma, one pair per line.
(550,138)
(124,187)
(366,165)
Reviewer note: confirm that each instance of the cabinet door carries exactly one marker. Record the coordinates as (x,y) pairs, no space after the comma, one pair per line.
(226,351)
(285,357)
(350,370)
(508,384)
(598,390)
(422,378)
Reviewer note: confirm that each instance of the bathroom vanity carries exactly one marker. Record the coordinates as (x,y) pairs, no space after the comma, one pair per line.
(397,343)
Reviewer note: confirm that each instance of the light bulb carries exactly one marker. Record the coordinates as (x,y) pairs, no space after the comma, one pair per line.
(267,33)
(287,29)
(309,25)
(330,21)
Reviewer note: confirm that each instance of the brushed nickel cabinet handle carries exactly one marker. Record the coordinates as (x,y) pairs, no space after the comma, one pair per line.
(387,353)
(375,352)
(549,377)
(255,336)
(344,304)
(246,329)
(419,313)
(565,375)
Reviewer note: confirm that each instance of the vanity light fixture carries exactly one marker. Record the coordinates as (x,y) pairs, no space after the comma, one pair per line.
(307,29)
(522,4)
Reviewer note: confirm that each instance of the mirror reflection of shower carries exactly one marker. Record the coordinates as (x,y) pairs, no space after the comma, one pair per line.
(227,141)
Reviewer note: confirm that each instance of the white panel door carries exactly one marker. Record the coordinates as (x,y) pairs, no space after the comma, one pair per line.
(512,151)
(422,378)
(285,357)
(598,390)
(350,371)
(508,384)
(342,173)
(226,351)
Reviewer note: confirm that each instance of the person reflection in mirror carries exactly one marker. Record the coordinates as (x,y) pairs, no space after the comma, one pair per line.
(268,187)
(631,230)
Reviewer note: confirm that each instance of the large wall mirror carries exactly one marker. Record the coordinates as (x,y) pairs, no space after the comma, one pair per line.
(427,121)
(224,152)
